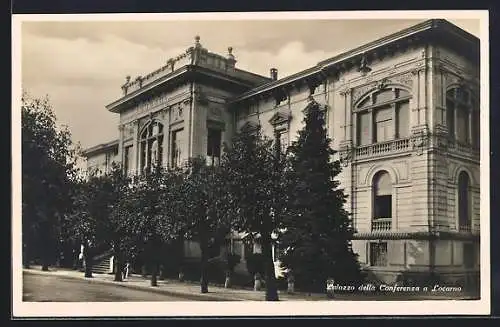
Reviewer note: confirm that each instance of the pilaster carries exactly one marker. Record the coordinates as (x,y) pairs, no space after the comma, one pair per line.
(121,132)
(137,149)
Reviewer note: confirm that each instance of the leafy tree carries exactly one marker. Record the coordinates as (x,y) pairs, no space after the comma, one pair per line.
(115,226)
(204,207)
(255,184)
(152,213)
(93,205)
(48,170)
(317,229)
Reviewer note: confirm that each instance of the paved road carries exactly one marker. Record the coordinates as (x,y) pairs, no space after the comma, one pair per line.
(45,288)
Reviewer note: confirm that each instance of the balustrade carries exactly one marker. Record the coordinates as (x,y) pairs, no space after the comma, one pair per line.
(381,224)
(376,149)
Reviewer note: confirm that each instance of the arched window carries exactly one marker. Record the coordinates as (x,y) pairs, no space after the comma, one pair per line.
(382,201)
(151,141)
(464,202)
(383,116)
(462,116)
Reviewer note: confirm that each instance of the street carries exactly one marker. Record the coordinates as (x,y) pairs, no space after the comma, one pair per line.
(46,288)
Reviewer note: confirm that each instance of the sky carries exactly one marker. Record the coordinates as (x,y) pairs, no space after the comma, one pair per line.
(81,65)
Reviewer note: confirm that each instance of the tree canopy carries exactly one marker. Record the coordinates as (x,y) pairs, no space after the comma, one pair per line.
(255,188)
(316,230)
(48,172)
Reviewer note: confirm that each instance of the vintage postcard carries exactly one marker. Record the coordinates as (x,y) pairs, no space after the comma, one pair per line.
(273,164)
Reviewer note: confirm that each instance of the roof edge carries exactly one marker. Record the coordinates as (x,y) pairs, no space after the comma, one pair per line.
(100,147)
(427,25)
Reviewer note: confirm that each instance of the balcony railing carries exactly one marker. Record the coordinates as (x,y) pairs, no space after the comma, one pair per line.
(463,147)
(381,224)
(393,146)
(465,228)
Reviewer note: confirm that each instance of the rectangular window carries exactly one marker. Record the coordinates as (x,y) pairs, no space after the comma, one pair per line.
(383,206)
(383,125)
(469,255)
(159,155)
(127,160)
(462,125)
(214,137)
(363,128)
(143,156)
(176,148)
(107,163)
(283,140)
(402,115)
(378,254)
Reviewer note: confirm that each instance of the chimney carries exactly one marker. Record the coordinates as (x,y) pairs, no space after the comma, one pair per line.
(274,74)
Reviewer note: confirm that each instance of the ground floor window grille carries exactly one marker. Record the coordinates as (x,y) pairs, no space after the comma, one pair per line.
(378,254)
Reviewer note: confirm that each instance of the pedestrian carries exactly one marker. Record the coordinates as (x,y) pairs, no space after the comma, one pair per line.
(125,272)
(81,263)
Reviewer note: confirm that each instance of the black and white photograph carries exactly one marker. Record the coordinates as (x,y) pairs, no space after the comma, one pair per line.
(270,164)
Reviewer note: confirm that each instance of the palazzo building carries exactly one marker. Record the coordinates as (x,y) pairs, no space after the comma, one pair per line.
(403,113)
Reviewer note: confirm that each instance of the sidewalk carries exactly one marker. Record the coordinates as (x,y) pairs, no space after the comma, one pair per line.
(187,290)
(191,290)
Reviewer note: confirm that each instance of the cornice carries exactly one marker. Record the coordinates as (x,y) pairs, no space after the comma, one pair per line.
(387,45)
(175,77)
(117,105)
(100,148)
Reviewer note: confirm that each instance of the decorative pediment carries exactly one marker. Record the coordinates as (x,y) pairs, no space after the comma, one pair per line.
(312,104)
(280,118)
(250,127)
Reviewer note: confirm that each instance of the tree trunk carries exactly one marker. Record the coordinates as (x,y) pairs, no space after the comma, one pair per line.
(204,264)
(47,242)
(271,287)
(154,274)
(179,257)
(257,282)
(26,260)
(45,255)
(45,265)
(161,272)
(87,258)
(118,267)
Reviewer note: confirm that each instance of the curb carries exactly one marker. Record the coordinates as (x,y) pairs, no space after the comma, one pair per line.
(191,296)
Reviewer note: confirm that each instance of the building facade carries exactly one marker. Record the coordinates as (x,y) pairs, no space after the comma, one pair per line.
(403,114)
(100,158)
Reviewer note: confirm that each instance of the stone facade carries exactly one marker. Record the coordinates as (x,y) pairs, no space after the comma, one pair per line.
(402,111)
(100,158)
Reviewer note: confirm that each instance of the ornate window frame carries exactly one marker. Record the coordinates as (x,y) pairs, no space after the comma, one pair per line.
(381,223)
(149,139)
(250,127)
(461,225)
(461,95)
(218,126)
(281,126)
(393,103)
